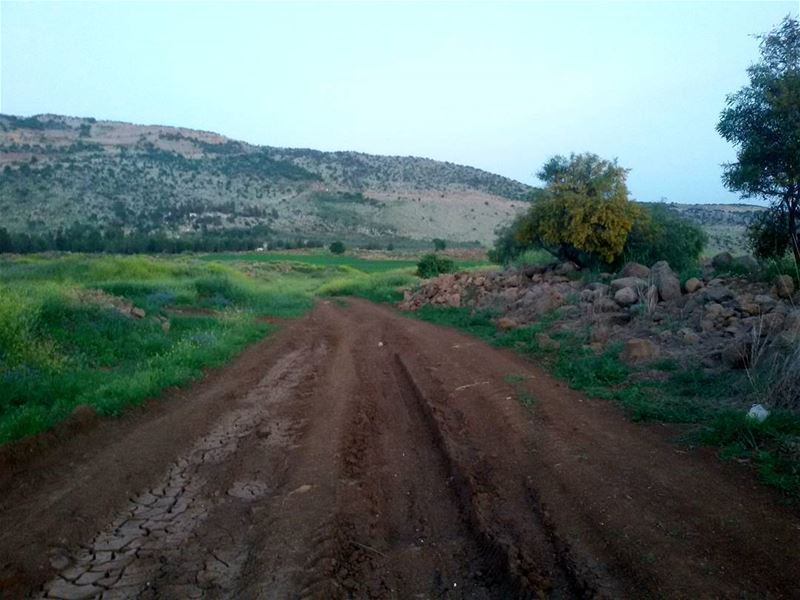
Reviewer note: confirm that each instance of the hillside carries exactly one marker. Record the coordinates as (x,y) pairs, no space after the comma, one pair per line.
(56,171)
(724,223)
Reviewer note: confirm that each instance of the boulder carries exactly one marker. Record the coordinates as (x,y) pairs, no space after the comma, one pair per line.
(638,350)
(713,310)
(628,282)
(667,283)
(634,269)
(784,287)
(745,263)
(626,296)
(722,260)
(137,312)
(789,338)
(692,285)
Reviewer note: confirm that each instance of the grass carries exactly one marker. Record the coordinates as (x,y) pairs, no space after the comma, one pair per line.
(62,345)
(324,259)
(378,287)
(713,404)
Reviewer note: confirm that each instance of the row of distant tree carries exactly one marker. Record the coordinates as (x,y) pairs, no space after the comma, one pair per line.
(86,238)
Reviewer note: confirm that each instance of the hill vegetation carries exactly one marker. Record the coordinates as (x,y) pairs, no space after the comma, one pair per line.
(109,180)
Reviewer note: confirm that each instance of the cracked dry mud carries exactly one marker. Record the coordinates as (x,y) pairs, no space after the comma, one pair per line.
(359,454)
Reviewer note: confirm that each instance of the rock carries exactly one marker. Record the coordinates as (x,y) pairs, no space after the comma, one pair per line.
(639,350)
(745,263)
(626,296)
(596,286)
(506,323)
(565,268)
(784,287)
(453,299)
(545,342)
(692,285)
(736,354)
(718,293)
(767,303)
(688,337)
(605,305)
(668,284)
(722,260)
(707,325)
(137,312)
(634,269)
(750,308)
(628,282)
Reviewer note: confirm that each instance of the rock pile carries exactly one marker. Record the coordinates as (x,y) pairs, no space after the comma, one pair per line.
(713,321)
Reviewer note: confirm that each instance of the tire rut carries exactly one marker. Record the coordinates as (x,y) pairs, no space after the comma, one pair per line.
(133,557)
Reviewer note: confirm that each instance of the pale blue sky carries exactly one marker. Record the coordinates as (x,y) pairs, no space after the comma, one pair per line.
(501,86)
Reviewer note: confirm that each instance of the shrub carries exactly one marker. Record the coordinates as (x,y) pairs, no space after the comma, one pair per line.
(336,248)
(660,233)
(432,265)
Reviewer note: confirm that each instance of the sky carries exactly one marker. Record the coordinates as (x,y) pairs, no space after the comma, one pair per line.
(501,86)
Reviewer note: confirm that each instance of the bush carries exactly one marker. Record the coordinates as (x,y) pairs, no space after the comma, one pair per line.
(336,247)
(662,234)
(432,265)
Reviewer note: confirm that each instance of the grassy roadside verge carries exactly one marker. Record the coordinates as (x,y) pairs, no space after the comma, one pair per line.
(68,338)
(710,406)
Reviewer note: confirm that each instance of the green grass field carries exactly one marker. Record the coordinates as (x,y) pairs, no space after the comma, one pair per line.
(67,338)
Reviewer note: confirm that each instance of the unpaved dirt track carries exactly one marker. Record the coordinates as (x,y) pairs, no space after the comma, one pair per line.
(359,454)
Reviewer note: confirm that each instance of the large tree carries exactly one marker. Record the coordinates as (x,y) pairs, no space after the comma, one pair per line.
(762,120)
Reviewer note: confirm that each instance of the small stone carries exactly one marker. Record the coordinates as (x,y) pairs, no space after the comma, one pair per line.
(137,312)
(688,336)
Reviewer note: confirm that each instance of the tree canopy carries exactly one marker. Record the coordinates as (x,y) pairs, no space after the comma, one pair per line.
(762,120)
(583,213)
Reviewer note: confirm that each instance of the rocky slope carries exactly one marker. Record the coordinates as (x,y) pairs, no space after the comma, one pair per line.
(56,170)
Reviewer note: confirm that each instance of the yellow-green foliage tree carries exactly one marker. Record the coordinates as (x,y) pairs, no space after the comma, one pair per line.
(583,213)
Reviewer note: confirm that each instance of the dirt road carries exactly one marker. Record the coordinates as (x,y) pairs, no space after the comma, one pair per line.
(361,454)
